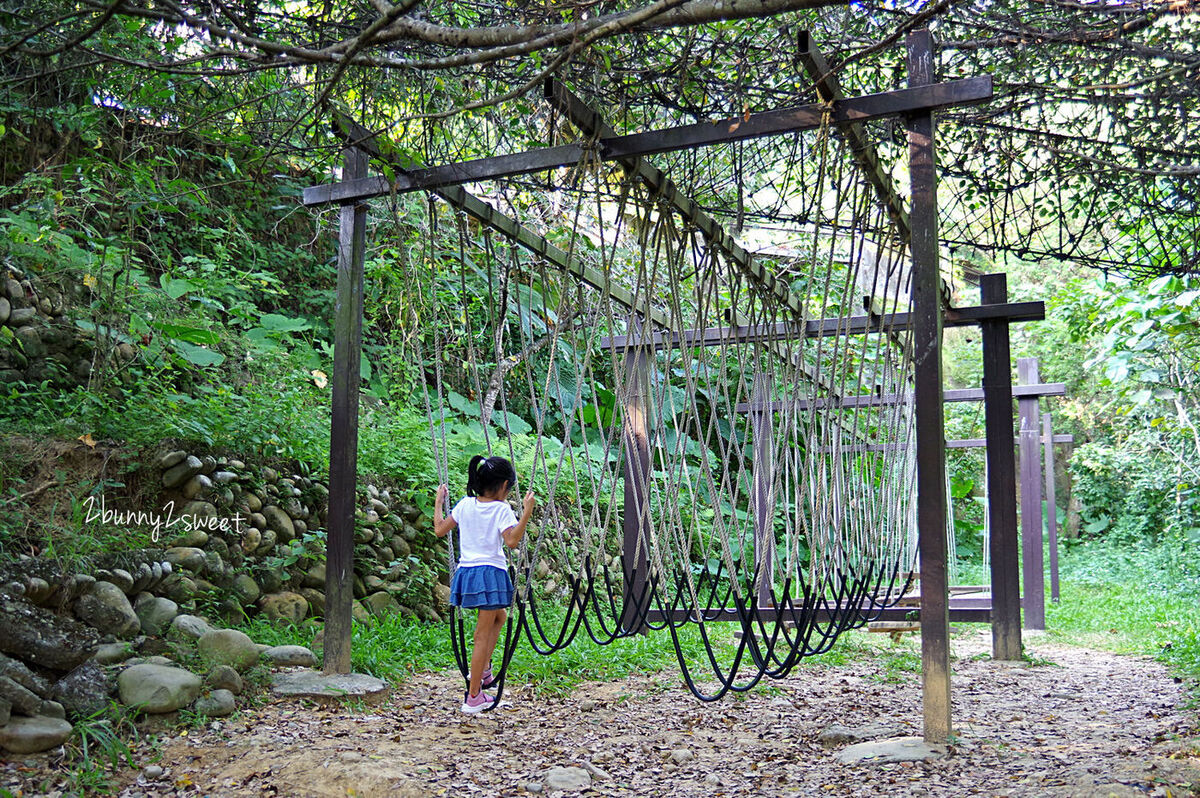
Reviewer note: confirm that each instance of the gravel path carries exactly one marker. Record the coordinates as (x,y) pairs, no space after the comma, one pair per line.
(1076,722)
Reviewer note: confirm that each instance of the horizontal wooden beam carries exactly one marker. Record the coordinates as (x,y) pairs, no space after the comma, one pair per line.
(767,123)
(973,611)
(979,443)
(886,399)
(962,443)
(817,328)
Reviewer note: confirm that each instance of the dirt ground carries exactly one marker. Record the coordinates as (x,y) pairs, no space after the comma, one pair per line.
(1073,722)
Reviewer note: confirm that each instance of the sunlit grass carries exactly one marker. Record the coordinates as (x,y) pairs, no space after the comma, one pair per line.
(1108,602)
(395,648)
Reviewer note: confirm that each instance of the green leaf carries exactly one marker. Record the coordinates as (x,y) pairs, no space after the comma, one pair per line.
(198,355)
(512,423)
(176,287)
(286,324)
(261,339)
(194,335)
(462,404)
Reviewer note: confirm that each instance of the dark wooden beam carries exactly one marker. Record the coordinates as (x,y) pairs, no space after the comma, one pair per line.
(475,207)
(961,610)
(930,420)
(768,123)
(1048,441)
(1003,550)
(979,443)
(638,526)
(1030,457)
(343,434)
(886,399)
(817,328)
(959,443)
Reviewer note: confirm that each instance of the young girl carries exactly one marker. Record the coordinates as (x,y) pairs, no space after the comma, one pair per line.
(486,523)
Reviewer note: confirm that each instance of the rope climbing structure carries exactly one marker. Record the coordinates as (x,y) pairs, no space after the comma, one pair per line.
(713,436)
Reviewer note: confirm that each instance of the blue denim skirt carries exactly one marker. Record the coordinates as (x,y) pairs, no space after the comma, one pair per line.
(481,587)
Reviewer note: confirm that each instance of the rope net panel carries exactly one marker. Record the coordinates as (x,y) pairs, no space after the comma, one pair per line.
(698,458)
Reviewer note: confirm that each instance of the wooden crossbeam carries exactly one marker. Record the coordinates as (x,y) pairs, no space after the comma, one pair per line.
(960,443)
(961,611)
(886,399)
(816,328)
(768,123)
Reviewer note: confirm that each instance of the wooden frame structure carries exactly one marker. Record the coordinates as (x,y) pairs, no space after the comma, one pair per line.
(929,302)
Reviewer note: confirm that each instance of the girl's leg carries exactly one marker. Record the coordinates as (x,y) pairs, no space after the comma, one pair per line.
(498,620)
(487,633)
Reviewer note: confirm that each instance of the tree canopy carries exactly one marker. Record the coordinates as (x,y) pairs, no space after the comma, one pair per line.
(1087,153)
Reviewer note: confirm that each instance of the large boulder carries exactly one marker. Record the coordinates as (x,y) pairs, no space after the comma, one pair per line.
(246,590)
(156,613)
(156,689)
(19,672)
(42,638)
(223,677)
(228,647)
(85,690)
(290,657)
(217,704)
(179,473)
(112,653)
(315,599)
(106,607)
(315,576)
(31,735)
(187,557)
(381,603)
(189,627)
(284,606)
(279,522)
(20,698)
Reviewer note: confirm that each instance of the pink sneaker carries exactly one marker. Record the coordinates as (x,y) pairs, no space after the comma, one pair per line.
(477,703)
(488,679)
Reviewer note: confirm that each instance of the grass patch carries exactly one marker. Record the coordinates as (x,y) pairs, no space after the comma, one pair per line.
(1116,602)
(1107,602)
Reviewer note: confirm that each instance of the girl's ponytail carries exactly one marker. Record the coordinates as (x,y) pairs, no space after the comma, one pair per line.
(486,474)
(473,483)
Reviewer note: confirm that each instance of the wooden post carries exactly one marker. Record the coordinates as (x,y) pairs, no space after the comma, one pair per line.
(1031,499)
(1003,548)
(762,494)
(930,420)
(1051,505)
(636,512)
(343,433)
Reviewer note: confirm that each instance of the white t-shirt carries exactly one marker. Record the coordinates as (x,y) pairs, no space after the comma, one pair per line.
(480,524)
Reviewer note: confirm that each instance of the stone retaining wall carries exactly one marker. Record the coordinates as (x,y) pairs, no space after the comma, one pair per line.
(37,341)
(235,540)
